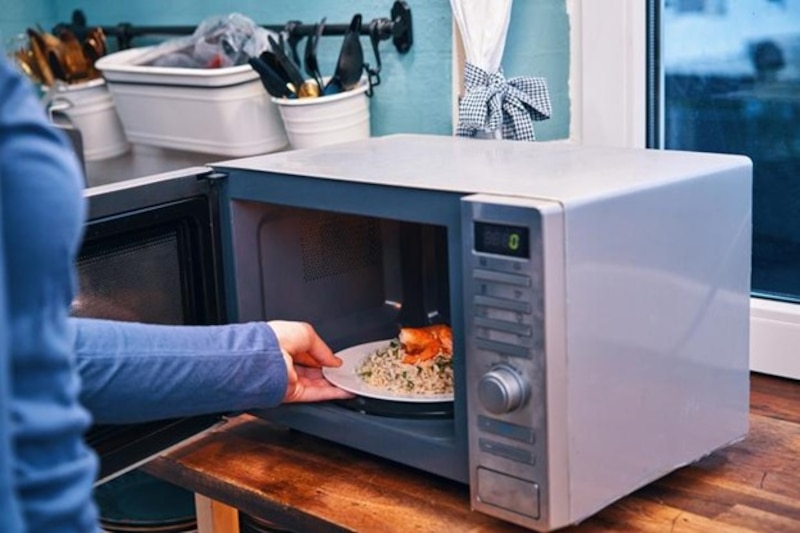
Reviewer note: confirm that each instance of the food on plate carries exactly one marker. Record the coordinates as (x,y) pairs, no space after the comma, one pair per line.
(422,344)
(419,361)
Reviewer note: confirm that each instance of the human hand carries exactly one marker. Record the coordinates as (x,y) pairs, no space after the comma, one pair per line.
(304,353)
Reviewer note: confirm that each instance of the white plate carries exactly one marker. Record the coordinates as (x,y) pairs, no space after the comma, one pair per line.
(345,377)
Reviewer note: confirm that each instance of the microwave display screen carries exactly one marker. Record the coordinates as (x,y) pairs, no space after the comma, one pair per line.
(502,239)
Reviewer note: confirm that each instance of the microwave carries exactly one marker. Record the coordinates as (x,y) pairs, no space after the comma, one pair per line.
(598,298)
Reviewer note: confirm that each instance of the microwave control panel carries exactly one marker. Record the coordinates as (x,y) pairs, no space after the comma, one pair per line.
(504,313)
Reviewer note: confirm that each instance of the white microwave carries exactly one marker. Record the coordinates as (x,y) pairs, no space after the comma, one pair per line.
(598,299)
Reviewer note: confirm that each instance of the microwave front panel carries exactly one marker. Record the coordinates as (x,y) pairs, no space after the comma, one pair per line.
(506,245)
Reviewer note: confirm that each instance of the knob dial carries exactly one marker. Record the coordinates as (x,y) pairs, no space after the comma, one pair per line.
(502,390)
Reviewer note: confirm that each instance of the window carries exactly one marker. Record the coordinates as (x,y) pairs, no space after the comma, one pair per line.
(716,75)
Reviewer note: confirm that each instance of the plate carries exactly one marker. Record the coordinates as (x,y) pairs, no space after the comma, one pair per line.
(345,377)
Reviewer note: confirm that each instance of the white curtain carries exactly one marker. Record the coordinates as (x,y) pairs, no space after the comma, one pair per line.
(493,106)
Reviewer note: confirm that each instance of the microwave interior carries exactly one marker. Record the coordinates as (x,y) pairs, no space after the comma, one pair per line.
(356,279)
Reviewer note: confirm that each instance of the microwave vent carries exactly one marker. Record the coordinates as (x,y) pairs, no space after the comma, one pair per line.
(333,245)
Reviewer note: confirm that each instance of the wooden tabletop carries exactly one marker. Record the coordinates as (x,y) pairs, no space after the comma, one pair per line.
(307,484)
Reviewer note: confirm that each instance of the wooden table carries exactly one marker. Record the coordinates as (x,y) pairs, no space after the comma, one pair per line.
(307,484)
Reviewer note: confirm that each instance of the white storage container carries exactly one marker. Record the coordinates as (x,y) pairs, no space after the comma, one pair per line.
(224,111)
(89,108)
(337,118)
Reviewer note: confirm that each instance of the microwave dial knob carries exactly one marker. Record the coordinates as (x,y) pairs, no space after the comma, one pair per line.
(502,390)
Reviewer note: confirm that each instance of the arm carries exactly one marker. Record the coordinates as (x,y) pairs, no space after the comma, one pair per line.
(134,372)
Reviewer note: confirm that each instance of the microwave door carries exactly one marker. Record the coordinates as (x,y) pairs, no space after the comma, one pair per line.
(150,254)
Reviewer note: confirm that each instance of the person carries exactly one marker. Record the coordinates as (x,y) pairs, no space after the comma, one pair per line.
(59,373)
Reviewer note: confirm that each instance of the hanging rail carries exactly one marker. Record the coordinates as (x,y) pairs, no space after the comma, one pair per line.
(396,27)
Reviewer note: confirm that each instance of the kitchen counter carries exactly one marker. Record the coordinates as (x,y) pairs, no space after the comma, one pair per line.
(303,483)
(142,161)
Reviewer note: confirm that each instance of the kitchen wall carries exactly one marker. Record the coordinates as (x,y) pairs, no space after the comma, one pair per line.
(15,16)
(415,95)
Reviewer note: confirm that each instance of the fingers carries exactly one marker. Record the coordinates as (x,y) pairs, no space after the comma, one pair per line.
(312,386)
(304,353)
(319,352)
(304,344)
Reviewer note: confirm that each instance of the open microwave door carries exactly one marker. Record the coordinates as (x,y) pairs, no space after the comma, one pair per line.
(150,254)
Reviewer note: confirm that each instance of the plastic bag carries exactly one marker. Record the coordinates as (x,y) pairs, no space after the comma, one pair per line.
(219,41)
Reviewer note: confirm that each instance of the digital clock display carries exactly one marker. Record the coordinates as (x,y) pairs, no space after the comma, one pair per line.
(502,239)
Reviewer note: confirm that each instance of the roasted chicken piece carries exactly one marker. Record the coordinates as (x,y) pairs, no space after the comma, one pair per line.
(422,344)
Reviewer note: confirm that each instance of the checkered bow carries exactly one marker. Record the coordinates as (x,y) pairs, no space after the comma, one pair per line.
(492,101)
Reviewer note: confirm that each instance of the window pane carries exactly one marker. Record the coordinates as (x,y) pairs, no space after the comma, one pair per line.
(731,78)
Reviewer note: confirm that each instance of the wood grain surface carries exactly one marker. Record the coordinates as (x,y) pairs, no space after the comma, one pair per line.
(306,484)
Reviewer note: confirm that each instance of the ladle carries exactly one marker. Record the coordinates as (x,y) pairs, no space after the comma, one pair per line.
(310,56)
(351,60)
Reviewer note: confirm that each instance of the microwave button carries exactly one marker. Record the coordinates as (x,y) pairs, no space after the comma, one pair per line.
(506,429)
(502,325)
(502,390)
(512,350)
(502,303)
(507,292)
(519,455)
(509,493)
(506,338)
(501,277)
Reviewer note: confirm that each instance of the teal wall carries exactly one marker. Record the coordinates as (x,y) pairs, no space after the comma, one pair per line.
(415,95)
(538,45)
(16,16)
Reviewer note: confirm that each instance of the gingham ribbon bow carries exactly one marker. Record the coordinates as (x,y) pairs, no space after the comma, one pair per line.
(492,101)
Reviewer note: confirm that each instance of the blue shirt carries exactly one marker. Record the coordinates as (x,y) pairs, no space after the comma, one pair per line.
(55,370)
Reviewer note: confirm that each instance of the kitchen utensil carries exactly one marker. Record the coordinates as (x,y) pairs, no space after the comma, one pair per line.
(351,60)
(292,38)
(25,62)
(56,66)
(374,74)
(272,61)
(309,89)
(74,62)
(311,64)
(292,71)
(94,46)
(273,82)
(40,59)
(97,39)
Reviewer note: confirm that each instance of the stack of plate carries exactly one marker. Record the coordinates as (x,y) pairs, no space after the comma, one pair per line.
(137,502)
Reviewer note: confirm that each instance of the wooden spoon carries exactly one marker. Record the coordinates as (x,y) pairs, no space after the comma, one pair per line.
(75,63)
(39,54)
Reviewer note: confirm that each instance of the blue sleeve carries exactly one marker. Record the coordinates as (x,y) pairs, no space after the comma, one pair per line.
(42,210)
(11,517)
(135,372)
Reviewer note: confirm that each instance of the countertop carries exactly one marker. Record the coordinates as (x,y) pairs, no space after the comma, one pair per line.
(140,161)
(304,484)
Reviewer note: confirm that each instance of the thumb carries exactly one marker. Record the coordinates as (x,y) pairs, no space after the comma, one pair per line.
(291,377)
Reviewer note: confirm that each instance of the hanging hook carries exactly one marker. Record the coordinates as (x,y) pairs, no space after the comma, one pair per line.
(374,74)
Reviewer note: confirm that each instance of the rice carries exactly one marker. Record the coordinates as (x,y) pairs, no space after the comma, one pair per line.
(384,369)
